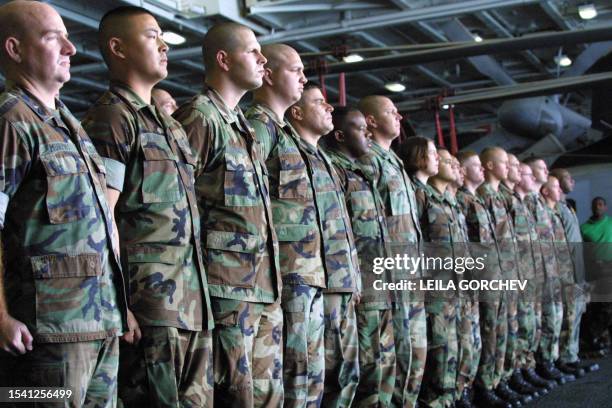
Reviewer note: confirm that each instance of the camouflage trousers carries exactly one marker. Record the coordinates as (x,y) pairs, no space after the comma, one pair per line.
(304,351)
(527,328)
(552,318)
(341,350)
(468,331)
(169,367)
(247,353)
(410,331)
(573,307)
(511,359)
(536,303)
(440,377)
(493,330)
(376,357)
(88,368)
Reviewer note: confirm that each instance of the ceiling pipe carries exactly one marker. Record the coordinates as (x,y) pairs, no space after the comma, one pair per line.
(539,40)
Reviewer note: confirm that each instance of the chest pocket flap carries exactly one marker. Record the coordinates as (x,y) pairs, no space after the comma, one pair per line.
(160,181)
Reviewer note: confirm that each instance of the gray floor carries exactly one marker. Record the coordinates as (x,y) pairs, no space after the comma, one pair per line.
(594,390)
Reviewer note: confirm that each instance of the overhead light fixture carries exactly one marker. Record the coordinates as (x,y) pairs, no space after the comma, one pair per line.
(563,60)
(587,11)
(445,106)
(477,38)
(173,38)
(352,58)
(395,87)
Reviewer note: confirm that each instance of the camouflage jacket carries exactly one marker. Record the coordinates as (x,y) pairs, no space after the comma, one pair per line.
(62,278)
(294,210)
(562,249)
(480,232)
(366,211)
(147,156)
(504,232)
(574,239)
(239,241)
(527,241)
(544,227)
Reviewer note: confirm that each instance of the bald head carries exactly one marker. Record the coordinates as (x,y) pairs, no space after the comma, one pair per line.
(495,163)
(221,37)
(491,154)
(16,19)
(277,54)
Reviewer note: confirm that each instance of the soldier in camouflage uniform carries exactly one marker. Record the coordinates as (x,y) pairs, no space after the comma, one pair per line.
(481,233)
(239,241)
(468,317)
(551,191)
(346,145)
(397,192)
(495,163)
(550,296)
(439,227)
(311,118)
(62,298)
(150,171)
(577,293)
(529,261)
(296,224)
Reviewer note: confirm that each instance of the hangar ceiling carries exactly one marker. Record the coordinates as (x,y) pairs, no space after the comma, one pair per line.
(324,31)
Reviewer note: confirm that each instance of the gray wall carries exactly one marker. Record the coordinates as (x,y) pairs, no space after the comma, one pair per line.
(591,181)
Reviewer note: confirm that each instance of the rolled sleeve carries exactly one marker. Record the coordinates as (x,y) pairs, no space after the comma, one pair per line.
(115,173)
(4,200)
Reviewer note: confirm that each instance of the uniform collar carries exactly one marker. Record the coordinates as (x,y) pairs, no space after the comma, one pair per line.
(263,108)
(45,114)
(229,115)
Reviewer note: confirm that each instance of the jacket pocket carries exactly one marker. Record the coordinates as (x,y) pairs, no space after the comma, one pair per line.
(68,293)
(231,258)
(239,188)
(160,178)
(293,180)
(69,193)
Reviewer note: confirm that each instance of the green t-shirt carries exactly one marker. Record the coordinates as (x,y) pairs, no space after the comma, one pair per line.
(598,232)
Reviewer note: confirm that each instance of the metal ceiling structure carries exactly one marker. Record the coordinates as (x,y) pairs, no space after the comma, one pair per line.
(397,29)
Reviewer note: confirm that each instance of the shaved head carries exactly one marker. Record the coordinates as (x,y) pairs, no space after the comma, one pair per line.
(114,24)
(276,54)
(491,154)
(221,37)
(370,105)
(16,18)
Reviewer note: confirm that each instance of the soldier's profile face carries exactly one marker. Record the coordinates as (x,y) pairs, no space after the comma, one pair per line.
(540,171)
(445,169)
(500,165)
(316,112)
(388,119)
(554,189)
(288,77)
(433,159)
(246,62)
(514,172)
(567,182)
(144,49)
(473,170)
(356,134)
(459,173)
(527,182)
(45,48)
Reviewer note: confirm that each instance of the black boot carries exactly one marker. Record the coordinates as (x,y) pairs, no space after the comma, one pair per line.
(465,401)
(565,368)
(487,399)
(530,375)
(586,366)
(548,371)
(504,392)
(517,383)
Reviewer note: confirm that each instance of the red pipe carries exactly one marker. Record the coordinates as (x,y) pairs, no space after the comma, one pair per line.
(439,129)
(453,131)
(341,90)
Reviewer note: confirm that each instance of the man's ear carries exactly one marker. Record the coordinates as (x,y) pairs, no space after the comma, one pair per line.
(267,77)
(339,136)
(296,112)
(115,47)
(371,121)
(223,60)
(12,49)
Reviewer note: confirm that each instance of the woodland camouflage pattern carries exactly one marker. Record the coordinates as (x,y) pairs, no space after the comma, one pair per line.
(157,216)
(61,278)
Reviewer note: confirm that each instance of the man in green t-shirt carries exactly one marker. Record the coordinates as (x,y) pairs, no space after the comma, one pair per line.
(597,235)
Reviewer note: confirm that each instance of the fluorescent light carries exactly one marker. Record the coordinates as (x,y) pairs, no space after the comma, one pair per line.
(352,58)
(445,106)
(477,38)
(563,60)
(395,87)
(587,11)
(172,38)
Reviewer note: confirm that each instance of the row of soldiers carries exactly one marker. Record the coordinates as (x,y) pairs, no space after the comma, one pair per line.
(233,252)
